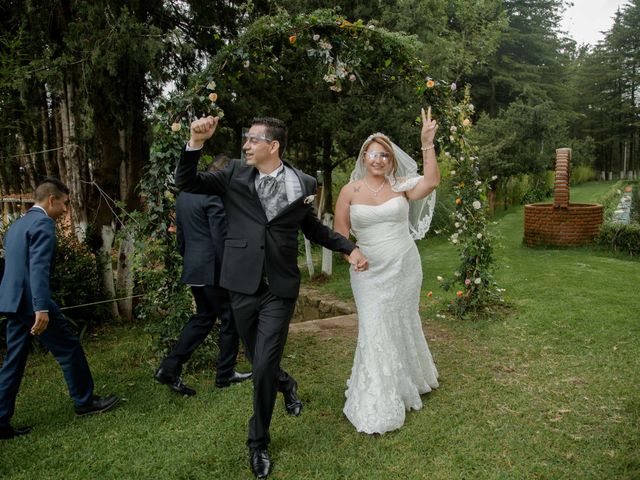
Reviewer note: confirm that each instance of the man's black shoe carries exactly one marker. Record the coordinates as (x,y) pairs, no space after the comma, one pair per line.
(174,382)
(292,402)
(260,462)
(237,377)
(97,405)
(9,432)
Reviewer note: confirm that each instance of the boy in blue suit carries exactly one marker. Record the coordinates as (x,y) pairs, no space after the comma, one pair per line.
(25,298)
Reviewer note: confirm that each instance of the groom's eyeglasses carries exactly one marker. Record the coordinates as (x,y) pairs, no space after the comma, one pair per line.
(254,139)
(375,155)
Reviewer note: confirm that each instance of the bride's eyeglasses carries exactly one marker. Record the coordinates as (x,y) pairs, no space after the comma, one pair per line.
(376,155)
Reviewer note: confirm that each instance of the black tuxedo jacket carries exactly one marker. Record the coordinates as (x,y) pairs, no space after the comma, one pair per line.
(201,226)
(253,244)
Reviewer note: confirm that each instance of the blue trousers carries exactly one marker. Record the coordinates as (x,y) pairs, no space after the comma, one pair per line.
(60,340)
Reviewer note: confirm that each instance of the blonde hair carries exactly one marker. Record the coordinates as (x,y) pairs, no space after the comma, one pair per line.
(386,143)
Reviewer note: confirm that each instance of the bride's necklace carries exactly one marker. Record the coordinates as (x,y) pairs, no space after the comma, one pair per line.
(375,191)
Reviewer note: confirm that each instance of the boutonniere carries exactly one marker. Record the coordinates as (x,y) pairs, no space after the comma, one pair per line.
(309,200)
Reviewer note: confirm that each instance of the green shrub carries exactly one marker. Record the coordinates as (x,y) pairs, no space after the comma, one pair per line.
(620,237)
(76,280)
(582,174)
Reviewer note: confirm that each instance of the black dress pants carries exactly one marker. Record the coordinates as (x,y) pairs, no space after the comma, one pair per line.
(212,302)
(263,323)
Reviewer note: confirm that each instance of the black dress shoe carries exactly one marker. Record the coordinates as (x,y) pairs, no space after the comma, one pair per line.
(174,382)
(97,405)
(260,462)
(292,402)
(9,432)
(237,377)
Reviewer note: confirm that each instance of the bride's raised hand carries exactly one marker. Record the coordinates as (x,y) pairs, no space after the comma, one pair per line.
(429,128)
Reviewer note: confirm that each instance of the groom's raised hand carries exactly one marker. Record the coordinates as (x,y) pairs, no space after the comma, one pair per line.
(202,130)
(359,261)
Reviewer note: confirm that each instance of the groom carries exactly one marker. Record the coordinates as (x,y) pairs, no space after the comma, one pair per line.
(267,201)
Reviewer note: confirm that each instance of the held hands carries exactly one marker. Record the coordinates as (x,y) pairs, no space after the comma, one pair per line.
(429,128)
(202,130)
(359,261)
(41,323)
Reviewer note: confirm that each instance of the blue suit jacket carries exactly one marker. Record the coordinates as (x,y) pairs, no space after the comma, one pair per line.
(29,249)
(201,226)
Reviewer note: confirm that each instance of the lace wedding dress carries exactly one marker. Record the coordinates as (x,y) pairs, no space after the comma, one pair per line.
(392,366)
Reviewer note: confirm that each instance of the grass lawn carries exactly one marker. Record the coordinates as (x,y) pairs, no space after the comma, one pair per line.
(552,391)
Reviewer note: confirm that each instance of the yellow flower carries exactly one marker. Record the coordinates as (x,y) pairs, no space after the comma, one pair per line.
(175,127)
(292,39)
(430,83)
(213,96)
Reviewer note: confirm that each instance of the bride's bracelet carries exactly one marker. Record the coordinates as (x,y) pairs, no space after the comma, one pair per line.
(428,147)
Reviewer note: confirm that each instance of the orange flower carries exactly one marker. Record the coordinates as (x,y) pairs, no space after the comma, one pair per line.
(430,294)
(430,83)
(459,293)
(458,201)
(292,39)
(213,96)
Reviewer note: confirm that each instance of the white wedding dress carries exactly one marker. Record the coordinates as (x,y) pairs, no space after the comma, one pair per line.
(392,366)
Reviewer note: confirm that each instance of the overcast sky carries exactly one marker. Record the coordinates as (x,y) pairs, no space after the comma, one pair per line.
(587,18)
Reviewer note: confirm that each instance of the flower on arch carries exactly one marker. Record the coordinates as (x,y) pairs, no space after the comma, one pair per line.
(213,96)
(459,293)
(292,39)
(476,204)
(175,127)
(430,83)
(458,201)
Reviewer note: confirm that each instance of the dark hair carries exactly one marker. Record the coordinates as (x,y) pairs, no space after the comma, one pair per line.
(50,186)
(275,129)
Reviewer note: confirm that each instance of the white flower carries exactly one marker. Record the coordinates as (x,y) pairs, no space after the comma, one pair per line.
(457,274)
(471,107)
(478,183)
(335,88)
(454,240)
(477,280)
(476,204)
(453,87)
(479,236)
(325,45)
(452,138)
(455,235)
(439,278)
(352,77)
(246,63)
(495,177)
(316,37)
(453,172)
(310,199)
(330,78)
(211,85)
(453,128)
(447,154)
(457,224)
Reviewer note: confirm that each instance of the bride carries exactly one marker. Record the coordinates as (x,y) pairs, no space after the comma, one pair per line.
(387,205)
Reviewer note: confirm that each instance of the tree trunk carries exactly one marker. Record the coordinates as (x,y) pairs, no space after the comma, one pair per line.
(327,168)
(74,161)
(124,276)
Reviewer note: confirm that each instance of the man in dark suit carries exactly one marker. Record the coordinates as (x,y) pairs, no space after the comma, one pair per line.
(267,202)
(25,297)
(201,227)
